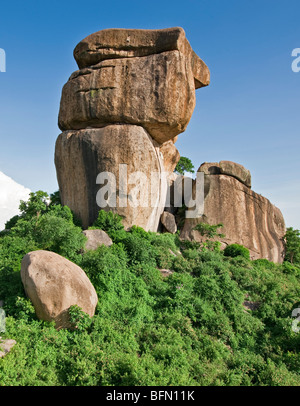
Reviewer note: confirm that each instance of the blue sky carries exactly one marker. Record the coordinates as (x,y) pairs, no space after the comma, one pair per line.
(249,114)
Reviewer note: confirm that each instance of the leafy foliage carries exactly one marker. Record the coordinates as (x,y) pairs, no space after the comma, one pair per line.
(190,328)
(235,250)
(184,165)
(292,245)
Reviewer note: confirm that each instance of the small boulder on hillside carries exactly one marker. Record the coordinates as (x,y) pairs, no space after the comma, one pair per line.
(168,221)
(96,238)
(6,346)
(53,284)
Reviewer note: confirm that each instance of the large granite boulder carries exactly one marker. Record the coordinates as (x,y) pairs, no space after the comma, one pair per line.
(140,184)
(132,43)
(156,92)
(248,218)
(53,284)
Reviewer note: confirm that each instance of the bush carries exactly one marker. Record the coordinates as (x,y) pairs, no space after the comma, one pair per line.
(235,250)
(189,328)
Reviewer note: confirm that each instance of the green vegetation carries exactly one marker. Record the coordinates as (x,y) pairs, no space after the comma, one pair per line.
(191,328)
(235,250)
(292,238)
(184,165)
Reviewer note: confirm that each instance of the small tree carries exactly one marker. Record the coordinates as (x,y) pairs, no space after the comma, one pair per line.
(292,238)
(184,165)
(36,205)
(211,233)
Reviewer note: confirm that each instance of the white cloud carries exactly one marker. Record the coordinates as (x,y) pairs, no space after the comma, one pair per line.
(10,195)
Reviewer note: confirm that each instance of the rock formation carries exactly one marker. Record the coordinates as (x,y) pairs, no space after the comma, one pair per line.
(248,218)
(120,114)
(133,94)
(53,284)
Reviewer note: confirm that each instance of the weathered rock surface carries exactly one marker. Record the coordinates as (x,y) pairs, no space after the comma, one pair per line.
(6,346)
(131,43)
(53,284)
(168,221)
(248,218)
(81,155)
(96,238)
(171,156)
(237,171)
(156,92)
(210,168)
(229,168)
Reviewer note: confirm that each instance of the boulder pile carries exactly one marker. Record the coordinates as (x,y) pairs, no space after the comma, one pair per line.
(133,94)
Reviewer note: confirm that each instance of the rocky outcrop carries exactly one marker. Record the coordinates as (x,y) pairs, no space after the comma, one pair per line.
(133,94)
(120,114)
(96,238)
(248,218)
(53,284)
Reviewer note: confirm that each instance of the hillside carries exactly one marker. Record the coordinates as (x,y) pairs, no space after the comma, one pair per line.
(214,320)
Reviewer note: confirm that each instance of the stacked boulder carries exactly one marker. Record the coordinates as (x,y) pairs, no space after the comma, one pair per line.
(247,217)
(133,94)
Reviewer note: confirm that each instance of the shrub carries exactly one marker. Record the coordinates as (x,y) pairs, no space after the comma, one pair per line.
(235,250)
(189,328)
(108,221)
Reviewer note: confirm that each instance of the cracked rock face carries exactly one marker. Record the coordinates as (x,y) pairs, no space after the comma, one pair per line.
(248,218)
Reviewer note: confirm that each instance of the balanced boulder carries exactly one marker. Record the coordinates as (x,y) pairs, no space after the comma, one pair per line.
(133,93)
(53,284)
(133,43)
(156,92)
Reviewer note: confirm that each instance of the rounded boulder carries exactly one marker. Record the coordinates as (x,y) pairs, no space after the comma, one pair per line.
(53,284)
